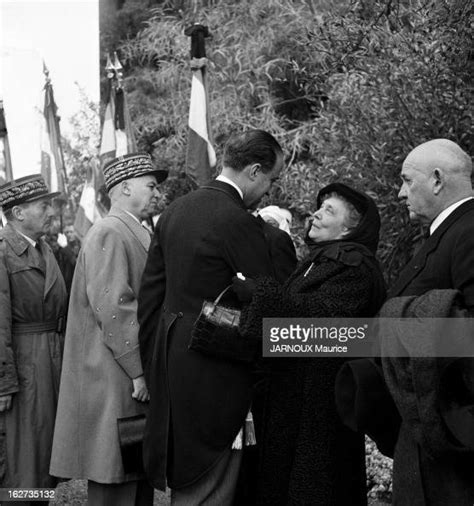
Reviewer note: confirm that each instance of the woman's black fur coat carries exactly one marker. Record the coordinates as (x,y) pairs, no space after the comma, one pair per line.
(308,457)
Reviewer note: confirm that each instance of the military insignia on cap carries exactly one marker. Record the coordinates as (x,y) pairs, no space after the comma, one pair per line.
(130,166)
(25,189)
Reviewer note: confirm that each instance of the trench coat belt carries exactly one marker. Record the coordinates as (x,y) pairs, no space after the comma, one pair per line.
(38,327)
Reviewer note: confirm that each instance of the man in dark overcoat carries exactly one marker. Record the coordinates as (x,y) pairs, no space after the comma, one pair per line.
(33,303)
(198,404)
(436,187)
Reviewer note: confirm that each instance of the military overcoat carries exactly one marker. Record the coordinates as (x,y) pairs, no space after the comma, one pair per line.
(32,308)
(101,354)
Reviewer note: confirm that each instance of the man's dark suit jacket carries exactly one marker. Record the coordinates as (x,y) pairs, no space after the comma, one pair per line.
(197,403)
(446,260)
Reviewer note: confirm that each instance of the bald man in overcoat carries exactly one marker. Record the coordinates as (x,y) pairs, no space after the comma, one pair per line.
(436,468)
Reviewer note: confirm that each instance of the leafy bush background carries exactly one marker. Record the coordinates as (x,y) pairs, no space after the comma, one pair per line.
(348,87)
(379,472)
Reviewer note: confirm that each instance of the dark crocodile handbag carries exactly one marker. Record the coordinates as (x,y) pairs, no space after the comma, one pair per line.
(216,333)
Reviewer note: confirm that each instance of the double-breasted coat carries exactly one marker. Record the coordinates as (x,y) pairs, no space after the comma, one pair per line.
(197,403)
(32,307)
(101,355)
(445,261)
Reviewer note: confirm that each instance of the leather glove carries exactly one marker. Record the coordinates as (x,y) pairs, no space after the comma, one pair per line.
(244,289)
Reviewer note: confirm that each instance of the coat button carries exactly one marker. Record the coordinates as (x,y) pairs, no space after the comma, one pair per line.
(180,314)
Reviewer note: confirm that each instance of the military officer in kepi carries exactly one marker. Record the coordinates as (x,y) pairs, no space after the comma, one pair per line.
(102,385)
(32,312)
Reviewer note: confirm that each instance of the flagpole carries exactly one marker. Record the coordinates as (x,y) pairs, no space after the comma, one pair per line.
(116,139)
(117,133)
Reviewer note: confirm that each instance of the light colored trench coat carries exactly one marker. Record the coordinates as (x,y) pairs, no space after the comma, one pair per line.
(32,300)
(101,354)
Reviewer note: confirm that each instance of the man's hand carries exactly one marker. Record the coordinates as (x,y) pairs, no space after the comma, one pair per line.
(140,391)
(5,402)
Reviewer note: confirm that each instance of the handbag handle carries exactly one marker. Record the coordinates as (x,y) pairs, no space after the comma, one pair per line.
(219,297)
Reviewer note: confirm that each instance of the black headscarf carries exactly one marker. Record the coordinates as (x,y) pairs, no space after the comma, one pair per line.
(360,245)
(366,234)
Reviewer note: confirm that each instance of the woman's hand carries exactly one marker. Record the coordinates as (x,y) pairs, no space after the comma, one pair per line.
(243,288)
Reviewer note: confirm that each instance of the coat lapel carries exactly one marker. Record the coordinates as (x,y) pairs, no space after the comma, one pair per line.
(22,248)
(417,263)
(53,273)
(139,231)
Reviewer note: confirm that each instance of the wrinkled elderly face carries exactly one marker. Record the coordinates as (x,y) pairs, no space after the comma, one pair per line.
(36,217)
(417,190)
(144,194)
(329,221)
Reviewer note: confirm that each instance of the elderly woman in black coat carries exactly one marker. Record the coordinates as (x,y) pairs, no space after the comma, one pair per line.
(308,457)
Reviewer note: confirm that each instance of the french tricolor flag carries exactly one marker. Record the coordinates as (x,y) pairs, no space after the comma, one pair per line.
(52,161)
(200,155)
(117,139)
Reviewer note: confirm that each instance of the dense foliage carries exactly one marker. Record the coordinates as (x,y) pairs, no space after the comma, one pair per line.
(379,472)
(348,88)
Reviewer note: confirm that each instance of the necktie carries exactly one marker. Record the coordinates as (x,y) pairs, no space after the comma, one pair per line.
(147,227)
(42,262)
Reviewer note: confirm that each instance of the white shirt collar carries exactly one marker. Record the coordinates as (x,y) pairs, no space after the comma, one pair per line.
(444,214)
(225,179)
(29,239)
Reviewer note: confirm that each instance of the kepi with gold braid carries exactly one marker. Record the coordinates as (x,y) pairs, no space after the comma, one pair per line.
(23,190)
(130,166)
